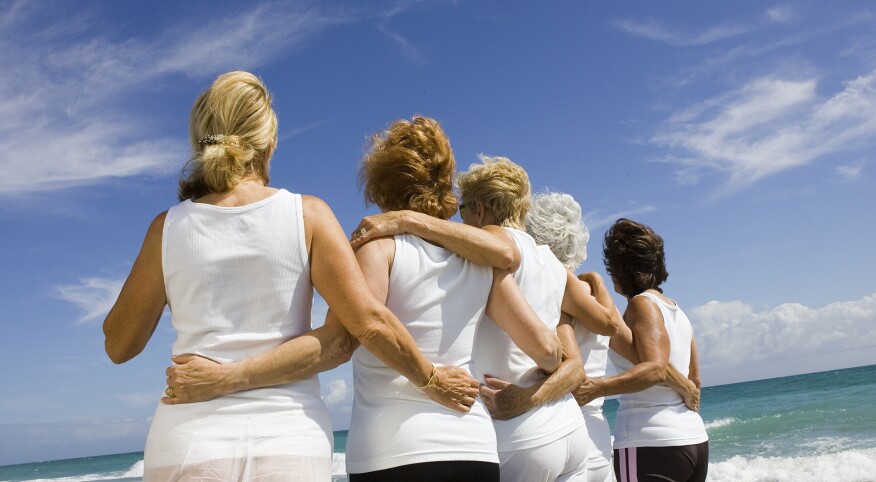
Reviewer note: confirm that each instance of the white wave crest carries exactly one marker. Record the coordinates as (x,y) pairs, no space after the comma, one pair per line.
(339,464)
(851,466)
(721,422)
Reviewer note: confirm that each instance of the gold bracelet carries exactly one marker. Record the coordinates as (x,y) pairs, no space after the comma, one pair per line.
(432,378)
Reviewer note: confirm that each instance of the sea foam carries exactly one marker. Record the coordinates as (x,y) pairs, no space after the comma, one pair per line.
(721,422)
(852,466)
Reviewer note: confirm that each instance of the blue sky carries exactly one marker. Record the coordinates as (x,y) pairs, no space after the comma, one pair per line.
(742,132)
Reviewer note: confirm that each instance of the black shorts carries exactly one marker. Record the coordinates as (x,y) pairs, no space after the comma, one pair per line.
(444,471)
(684,463)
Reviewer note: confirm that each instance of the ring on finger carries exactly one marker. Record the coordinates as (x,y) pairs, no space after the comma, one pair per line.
(169,392)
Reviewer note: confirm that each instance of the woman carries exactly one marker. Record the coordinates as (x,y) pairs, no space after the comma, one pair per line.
(656,436)
(548,442)
(555,220)
(237,261)
(395,432)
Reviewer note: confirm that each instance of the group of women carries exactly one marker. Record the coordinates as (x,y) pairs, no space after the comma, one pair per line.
(482,355)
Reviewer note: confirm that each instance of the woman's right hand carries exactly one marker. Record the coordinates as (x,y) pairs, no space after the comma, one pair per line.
(453,388)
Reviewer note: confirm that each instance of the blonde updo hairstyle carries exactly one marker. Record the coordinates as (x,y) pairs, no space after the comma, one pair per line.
(501,186)
(410,165)
(555,220)
(233,133)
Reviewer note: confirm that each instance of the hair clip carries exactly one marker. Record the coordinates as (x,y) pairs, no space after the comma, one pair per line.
(211,140)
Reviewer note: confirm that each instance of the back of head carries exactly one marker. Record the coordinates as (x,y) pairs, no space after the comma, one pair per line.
(410,165)
(554,219)
(633,256)
(233,134)
(502,186)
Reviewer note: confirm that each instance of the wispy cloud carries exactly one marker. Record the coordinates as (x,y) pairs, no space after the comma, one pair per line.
(67,113)
(655,30)
(597,219)
(93,296)
(782,14)
(850,172)
(724,330)
(402,43)
(768,126)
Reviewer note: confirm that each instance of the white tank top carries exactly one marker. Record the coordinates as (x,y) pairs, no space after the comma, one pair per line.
(440,298)
(594,352)
(657,417)
(542,278)
(238,284)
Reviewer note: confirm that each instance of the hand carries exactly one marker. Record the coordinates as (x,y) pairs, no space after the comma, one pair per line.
(586,392)
(504,400)
(194,378)
(380,225)
(454,388)
(592,279)
(691,397)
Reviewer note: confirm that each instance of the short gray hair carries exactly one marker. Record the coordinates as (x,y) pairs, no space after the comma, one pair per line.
(554,219)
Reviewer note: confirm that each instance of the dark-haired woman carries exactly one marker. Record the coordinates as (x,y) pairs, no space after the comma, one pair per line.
(236,261)
(657,438)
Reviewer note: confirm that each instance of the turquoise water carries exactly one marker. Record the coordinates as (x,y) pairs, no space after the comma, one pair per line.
(815,427)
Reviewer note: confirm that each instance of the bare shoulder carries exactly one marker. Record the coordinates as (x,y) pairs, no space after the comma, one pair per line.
(641,310)
(156,227)
(314,207)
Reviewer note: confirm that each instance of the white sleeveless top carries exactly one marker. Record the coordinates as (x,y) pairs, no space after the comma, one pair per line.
(657,417)
(440,298)
(238,283)
(542,278)
(594,352)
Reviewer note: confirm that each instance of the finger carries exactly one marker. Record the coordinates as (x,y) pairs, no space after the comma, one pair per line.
(471,392)
(487,393)
(183,359)
(495,382)
(462,408)
(468,401)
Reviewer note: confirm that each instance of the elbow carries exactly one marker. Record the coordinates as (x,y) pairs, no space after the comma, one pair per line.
(343,350)
(611,326)
(508,259)
(550,354)
(117,354)
(656,373)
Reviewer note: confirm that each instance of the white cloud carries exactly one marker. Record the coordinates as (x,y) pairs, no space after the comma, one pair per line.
(735,333)
(768,126)
(597,219)
(850,172)
(66,108)
(782,14)
(94,296)
(654,30)
(336,394)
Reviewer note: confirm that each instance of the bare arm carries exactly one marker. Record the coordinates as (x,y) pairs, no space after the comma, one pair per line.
(196,379)
(652,346)
(133,318)
(592,308)
(489,246)
(507,307)
(506,401)
(694,371)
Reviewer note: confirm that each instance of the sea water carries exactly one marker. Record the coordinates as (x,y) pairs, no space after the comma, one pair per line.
(805,428)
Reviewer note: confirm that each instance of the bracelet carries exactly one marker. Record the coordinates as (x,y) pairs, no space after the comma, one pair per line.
(432,378)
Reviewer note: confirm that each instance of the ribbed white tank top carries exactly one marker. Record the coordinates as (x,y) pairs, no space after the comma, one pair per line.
(542,278)
(238,283)
(657,417)
(440,298)
(594,352)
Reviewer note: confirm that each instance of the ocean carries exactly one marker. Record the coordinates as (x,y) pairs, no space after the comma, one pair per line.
(804,428)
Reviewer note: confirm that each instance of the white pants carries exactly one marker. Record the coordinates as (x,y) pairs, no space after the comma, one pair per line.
(561,460)
(599,449)
(212,441)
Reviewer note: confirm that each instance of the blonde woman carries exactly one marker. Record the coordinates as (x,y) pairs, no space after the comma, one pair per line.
(236,261)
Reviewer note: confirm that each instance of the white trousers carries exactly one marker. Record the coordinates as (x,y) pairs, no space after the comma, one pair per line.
(561,460)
